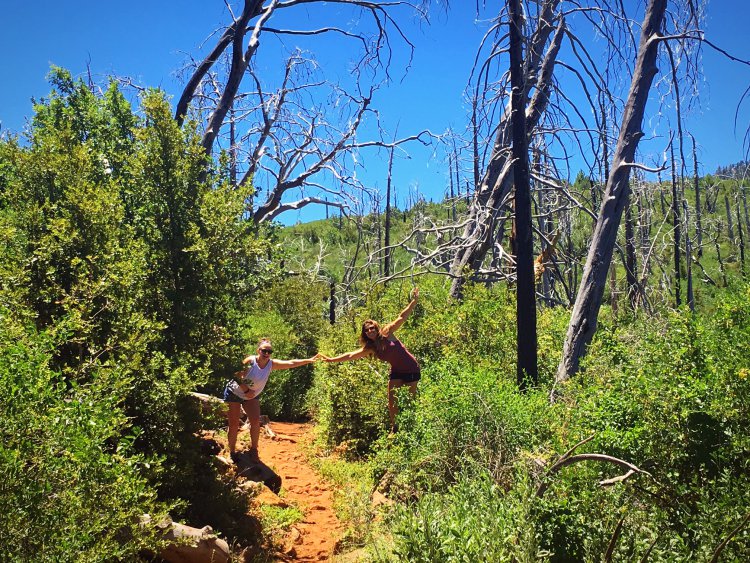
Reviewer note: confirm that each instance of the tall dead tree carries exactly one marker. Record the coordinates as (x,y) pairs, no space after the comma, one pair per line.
(585,314)
(697,188)
(630,257)
(494,187)
(676,231)
(730,225)
(526,339)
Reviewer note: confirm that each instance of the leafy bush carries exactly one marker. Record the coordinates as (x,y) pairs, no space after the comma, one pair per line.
(462,417)
(475,520)
(72,488)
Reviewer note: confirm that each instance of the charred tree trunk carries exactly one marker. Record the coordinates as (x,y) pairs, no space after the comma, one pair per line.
(697,186)
(494,187)
(676,233)
(722,269)
(688,262)
(588,302)
(332,303)
(526,338)
(730,226)
(741,241)
(743,194)
(630,258)
(387,260)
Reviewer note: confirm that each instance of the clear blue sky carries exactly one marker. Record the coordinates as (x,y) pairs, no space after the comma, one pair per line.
(148,41)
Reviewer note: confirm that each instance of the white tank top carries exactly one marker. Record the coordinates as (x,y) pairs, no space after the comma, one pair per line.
(254,377)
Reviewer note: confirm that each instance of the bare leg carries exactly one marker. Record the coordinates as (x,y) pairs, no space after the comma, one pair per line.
(252,409)
(393,384)
(232,428)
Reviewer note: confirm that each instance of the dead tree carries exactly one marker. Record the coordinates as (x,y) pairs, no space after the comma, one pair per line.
(730,225)
(297,141)
(586,310)
(492,191)
(697,187)
(676,231)
(526,371)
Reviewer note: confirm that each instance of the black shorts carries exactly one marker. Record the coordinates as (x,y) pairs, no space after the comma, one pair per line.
(406,377)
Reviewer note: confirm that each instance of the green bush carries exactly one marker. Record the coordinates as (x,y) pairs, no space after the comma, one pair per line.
(475,520)
(72,488)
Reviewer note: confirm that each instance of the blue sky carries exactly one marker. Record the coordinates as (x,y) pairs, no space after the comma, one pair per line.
(148,41)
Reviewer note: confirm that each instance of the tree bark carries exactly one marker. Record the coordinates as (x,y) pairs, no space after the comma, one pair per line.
(588,302)
(676,231)
(630,257)
(688,262)
(730,226)
(497,181)
(697,187)
(387,265)
(526,337)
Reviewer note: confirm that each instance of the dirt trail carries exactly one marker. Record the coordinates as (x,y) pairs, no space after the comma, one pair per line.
(314,538)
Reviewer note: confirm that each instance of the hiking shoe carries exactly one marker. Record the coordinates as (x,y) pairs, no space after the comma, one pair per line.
(253,454)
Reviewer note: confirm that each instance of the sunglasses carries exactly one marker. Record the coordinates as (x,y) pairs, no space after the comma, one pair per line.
(371,329)
(266,351)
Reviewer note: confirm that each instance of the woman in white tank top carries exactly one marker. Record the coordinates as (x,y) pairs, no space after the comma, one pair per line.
(242,393)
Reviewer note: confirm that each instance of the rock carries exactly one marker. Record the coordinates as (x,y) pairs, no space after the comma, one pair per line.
(190,545)
(379,499)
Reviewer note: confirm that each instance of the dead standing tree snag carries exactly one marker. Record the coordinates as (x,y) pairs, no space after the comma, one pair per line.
(495,185)
(588,302)
(299,139)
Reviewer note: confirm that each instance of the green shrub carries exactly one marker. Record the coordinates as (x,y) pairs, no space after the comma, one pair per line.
(72,487)
(475,520)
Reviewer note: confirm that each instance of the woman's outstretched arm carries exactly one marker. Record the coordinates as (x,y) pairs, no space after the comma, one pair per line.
(354,355)
(390,328)
(289,364)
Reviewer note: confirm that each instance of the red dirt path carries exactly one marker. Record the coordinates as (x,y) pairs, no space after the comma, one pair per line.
(314,538)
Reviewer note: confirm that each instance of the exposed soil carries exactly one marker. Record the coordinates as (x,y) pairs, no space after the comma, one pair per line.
(314,538)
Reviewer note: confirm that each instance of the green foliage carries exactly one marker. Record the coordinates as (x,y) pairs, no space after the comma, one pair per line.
(475,520)
(668,394)
(72,487)
(121,246)
(290,312)
(461,418)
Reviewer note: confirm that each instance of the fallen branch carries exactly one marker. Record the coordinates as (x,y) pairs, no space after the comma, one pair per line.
(568,459)
(724,543)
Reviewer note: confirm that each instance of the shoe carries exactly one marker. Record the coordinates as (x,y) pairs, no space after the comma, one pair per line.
(253,454)
(235,457)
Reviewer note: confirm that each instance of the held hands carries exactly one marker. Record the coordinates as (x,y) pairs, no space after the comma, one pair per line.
(323,357)
(415,294)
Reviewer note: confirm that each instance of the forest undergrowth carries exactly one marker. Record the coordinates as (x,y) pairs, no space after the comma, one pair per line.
(125,286)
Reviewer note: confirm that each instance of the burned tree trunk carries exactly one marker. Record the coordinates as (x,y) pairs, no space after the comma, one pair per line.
(688,262)
(697,186)
(730,226)
(497,181)
(526,339)
(588,302)
(387,243)
(676,231)
(630,257)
